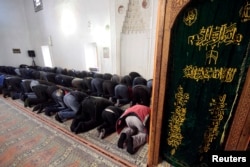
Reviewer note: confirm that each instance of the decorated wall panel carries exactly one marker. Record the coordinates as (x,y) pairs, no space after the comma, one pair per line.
(209,58)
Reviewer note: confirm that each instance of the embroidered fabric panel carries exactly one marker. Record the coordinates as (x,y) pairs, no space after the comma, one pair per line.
(209,57)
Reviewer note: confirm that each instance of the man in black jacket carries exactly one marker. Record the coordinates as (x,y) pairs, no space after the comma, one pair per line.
(109,116)
(89,115)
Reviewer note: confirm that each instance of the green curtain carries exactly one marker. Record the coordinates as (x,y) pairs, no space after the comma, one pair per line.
(209,58)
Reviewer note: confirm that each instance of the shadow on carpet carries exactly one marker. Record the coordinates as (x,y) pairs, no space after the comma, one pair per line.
(30,139)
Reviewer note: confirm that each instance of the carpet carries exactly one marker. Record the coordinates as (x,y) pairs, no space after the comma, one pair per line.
(30,139)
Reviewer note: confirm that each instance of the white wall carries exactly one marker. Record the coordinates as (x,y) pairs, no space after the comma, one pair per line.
(137,37)
(13,33)
(93,21)
(82,16)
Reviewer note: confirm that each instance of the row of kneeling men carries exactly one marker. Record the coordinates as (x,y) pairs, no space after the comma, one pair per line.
(88,112)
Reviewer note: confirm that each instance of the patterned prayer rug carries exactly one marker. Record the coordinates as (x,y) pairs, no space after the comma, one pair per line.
(30,139)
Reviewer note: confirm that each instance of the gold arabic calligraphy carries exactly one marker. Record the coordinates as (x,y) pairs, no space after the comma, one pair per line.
(177,119)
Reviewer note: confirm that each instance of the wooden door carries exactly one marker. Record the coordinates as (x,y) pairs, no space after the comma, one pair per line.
(238,137)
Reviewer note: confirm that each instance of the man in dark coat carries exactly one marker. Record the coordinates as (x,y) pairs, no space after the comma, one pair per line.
(89,115)
(109,116)
(141,95)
